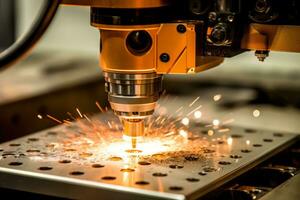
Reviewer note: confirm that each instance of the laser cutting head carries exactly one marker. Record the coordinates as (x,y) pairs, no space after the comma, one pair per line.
(135,51)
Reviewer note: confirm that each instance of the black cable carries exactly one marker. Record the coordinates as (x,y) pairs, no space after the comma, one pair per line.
(24,44)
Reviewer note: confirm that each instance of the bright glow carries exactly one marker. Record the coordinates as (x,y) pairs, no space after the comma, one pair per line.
(183,133)
(40,116)
(197,114)
(229,141)
(256,113)
(185,121)
(217,97)
(210,132)
(147,148)
(216,122)
(248,142)
(162,110)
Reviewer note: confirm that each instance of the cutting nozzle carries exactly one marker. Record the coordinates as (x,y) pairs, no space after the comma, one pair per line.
(133,98)
(133,130)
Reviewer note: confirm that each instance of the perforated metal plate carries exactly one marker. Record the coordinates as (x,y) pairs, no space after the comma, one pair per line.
(62,162)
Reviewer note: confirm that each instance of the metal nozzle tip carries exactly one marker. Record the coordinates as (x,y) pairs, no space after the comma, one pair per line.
(133,128)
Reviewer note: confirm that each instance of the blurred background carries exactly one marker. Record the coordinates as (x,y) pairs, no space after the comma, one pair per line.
(62,74)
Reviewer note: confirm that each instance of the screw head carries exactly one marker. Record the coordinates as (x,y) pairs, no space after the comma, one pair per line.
(212,16)
(230,18)
(164,57)
(181,28)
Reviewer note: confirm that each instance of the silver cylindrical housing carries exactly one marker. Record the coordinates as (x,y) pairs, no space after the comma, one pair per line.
(133,95)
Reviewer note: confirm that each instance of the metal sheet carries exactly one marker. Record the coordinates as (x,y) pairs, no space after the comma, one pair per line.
(61,161)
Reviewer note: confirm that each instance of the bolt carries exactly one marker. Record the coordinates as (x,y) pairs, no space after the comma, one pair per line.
(212,16)
(230,18)
(164,57)
(181,28)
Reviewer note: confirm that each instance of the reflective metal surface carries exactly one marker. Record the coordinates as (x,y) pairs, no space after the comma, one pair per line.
(133,95)
(54,162)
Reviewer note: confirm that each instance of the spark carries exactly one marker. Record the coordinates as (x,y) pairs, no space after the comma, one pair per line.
(99,107)
(40,116)
(228,121)
(191,104)
(67,121)
(165,132)
(179,109)
(185,121)
(86,117)
(197,114)
(194,110)
(170,134)
(229,141)
(109,124)
(54,119)
(256,113)
(216,122)
(223,130)
(210,132)
(78,111)
(162,110)
(217,97)
(183,133)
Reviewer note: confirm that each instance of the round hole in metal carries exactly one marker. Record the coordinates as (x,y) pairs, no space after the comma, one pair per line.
(224,163)
(202,173)
(14,145)
(176,188)
(77,173)
(33,151)
(33,139)
(191,158)
(176,166)
(127,170)
(97,166)
(159,174)
(193,179)
(236,136)
(249,130)
(144,163)
(209,169)
(235,156)
(70,149)
(52,133)
(245,150)
(15,163)
(109,178)
(115,158)
(277,134)
(45,168)
(268,140)
(65,161)
(142,183)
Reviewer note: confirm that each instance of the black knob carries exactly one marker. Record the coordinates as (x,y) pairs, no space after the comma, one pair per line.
(219,34)
(139,42)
